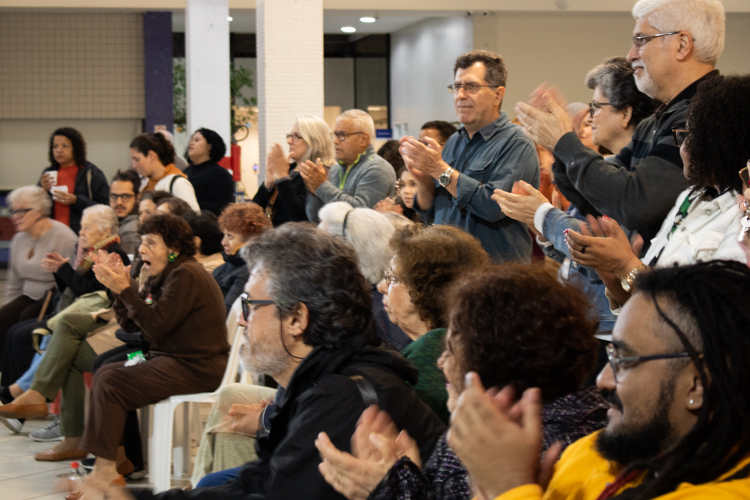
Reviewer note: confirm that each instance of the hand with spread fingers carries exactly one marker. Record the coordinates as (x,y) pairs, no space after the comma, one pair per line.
(603,246)
(499,440)
(313,174)
(116,278)
(53,261)
(522,203)
(376,446)
(547,125)
(277,165)
(426,159)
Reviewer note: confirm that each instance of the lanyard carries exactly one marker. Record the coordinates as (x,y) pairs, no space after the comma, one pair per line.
(342,181)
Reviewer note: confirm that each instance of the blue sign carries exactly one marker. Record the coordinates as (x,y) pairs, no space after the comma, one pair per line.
(384,133)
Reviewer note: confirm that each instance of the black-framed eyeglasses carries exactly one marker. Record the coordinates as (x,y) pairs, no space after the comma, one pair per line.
(294,137)
(247,302)
(341,136)
(680,135)
(469,88)
(621,363)
(390,278)
(594,106)
(21,211)
(640,41)
(124,197)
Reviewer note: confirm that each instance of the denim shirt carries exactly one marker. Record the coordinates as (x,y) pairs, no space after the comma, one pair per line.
(555,223)
(494,158)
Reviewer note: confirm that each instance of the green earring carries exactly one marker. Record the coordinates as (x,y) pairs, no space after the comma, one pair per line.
(172,257)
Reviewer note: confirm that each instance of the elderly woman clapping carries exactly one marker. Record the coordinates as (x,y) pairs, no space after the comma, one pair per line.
(180,310)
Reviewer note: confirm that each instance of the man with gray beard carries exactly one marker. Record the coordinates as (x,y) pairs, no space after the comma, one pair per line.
(676,44)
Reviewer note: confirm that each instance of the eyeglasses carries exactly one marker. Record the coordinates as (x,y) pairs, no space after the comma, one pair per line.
(294,137)
(21,211)
(247,302)
(680,135)
(341,136)
(619,363)
(594,106)
(640,41)
(469,88)
(124,197)
(390,278)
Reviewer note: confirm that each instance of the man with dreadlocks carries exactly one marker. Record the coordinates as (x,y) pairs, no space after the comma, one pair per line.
(679,382)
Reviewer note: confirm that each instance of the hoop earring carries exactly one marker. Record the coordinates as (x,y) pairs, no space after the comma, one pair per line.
(172,257)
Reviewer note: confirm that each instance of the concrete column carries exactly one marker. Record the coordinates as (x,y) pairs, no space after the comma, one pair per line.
(157,62)
(290,67)
(207,66)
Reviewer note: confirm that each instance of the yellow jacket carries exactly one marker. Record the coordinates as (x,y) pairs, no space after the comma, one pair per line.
(582,474)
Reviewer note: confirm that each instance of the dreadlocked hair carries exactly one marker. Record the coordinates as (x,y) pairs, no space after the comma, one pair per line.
(713,297)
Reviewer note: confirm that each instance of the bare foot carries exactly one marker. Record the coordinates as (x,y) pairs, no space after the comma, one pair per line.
(69,443)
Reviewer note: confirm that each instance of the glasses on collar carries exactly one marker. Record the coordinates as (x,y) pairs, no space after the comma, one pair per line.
(247,302)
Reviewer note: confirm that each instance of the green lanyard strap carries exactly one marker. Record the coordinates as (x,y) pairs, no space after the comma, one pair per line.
(342,181)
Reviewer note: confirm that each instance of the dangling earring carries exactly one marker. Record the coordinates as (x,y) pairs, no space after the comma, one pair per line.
(172,257)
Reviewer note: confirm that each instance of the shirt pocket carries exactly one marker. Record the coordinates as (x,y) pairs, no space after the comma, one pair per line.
(703,247)
(479,170)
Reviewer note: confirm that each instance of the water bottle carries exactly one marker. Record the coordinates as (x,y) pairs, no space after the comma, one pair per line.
(75,473)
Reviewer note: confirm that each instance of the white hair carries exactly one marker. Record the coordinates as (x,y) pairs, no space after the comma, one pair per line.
(703,19)
(317,134)
(166,134)
(104,217)
(367,231)
(36,197)
(362,121)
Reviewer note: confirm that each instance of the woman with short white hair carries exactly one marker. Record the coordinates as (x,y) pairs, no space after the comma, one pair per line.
(283,194)
(36,236)
(369,232)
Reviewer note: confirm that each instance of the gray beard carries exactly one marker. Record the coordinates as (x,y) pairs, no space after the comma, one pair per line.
(646,85)
(260,363)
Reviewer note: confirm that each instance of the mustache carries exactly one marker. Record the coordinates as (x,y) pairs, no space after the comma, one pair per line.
(613,399)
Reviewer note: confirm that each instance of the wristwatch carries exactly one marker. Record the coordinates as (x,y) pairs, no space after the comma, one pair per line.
(445,178)
(626,282)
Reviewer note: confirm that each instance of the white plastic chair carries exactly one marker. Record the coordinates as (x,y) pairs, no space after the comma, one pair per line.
(160,446)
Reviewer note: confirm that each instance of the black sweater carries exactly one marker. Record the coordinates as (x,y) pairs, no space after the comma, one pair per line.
(213,185)
(290,202)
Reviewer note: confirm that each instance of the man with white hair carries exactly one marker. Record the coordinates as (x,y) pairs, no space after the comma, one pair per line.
(676,44)
(360,177)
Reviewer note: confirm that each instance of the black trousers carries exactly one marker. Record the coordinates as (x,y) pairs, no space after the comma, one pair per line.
(19,309)
(19,351)
(132,434)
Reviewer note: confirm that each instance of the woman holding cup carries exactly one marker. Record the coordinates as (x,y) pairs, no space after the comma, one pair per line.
(73,182)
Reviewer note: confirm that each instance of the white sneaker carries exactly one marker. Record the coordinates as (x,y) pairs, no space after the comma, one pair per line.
(48,434)
(13,424)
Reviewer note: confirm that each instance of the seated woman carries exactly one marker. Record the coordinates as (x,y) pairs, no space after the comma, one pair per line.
(180,310)
(148,203)
(283,194)
(207,237)
(705,223)
(426,261)
(514,326)
(213,184)
(239,222)
(49,371)
(369,232)
(152,156)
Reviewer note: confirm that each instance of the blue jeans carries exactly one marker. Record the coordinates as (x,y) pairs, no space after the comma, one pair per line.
(219,478)
(28,377)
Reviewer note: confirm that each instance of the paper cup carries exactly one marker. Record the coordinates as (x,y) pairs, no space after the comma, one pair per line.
(53,175)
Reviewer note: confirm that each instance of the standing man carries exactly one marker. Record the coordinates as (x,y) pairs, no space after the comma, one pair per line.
(123,198)
(676,44)
(488,152)
(361,178)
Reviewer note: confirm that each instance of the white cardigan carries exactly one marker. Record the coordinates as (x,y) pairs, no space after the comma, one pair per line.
(182,189)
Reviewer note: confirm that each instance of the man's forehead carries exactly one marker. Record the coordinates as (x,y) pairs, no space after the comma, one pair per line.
(344,125)
(256,281)
(637,327)
(121,187)
(643,27)
(475,72)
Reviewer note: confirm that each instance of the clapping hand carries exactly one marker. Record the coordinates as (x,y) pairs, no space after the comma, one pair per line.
(388,205)
(522,203)
(423,161)
(110,271)
(603,246)
(277,165)
(313,174)
(544,119)
(53,261)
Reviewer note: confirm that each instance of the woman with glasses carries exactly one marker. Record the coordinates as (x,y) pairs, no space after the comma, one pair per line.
(213,184)
(36,236)
(706,221)
(426,261)
(180,309)
(512,325)
(616,110)
(283,193)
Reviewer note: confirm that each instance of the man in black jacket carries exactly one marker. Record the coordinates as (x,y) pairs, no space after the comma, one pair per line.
(308,323)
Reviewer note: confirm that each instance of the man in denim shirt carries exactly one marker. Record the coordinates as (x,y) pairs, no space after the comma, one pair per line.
(487,153)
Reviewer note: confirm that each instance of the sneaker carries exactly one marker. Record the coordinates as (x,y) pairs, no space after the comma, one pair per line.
(13,424)
(88,464)
(49,433)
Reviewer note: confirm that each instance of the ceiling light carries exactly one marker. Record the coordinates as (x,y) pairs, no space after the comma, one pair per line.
(367,19)
(230,19)
(348,29)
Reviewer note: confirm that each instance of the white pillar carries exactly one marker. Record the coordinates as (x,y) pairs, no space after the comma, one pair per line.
(290,67)
(207,66)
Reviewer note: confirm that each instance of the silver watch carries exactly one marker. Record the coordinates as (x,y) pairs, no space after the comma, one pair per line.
(445,178)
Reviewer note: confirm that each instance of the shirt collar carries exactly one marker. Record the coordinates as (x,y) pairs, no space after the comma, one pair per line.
(488,131)
(688,93)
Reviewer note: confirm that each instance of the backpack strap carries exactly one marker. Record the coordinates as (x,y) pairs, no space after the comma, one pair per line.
(369,396)
(171,183)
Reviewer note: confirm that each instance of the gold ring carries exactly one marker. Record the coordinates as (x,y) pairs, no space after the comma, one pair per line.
(510,211)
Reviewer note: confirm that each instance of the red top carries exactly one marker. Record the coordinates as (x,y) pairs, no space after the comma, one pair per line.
(66,176)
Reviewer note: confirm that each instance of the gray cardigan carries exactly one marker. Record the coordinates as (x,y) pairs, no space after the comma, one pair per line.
(370,180)
(27,277)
